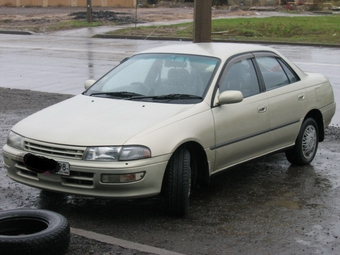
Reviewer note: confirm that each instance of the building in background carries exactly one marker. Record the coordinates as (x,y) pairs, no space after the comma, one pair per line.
(73,3)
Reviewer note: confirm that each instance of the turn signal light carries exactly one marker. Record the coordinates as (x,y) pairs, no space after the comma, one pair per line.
(122,178)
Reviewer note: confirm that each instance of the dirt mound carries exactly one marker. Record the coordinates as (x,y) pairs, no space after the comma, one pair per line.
(108,16)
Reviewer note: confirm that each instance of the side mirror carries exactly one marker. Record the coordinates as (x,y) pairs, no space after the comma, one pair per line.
(88,83)
(230,97)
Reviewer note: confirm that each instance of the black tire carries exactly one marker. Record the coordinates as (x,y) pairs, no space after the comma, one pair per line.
(33,231)
(177,183)
(306,144)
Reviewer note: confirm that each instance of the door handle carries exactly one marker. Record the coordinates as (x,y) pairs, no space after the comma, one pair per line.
(262,109)
(301,97)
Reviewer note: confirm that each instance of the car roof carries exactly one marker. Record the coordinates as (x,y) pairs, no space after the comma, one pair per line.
(219,50)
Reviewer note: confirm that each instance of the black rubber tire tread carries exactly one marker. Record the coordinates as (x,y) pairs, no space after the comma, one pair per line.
(177,183)
(295,155)
(53,238)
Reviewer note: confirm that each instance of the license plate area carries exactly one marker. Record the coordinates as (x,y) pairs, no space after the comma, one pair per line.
(64,168)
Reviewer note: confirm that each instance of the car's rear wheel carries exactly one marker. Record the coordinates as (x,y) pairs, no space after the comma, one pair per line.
(177,183)
(306,144)
(33,231)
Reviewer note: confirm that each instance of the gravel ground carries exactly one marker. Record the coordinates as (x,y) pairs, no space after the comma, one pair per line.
(82,246)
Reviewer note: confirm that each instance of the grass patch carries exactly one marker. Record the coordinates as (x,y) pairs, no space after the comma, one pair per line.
(72,24)
(312,29)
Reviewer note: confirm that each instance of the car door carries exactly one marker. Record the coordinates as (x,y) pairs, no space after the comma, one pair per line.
(286,98)
(241,129)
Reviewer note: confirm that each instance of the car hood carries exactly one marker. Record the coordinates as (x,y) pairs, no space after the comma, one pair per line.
(90,121)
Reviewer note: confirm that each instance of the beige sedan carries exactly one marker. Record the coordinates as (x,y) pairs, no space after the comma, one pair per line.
(165,120)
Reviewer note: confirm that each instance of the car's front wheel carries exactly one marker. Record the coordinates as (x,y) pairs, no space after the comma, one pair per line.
(177,183)
(306,144)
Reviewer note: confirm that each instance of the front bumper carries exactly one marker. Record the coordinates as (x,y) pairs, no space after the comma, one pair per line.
(85,176)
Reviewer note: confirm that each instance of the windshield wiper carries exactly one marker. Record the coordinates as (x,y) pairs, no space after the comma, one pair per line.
(169,96)
(118,94)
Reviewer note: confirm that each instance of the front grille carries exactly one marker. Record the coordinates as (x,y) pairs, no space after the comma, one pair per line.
(75,179)
(28,173)
(78,179)
(64,151)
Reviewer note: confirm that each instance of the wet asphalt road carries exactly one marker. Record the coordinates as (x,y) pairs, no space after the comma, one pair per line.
(263,207)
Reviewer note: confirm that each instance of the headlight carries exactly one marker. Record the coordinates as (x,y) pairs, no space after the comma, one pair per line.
(102,153)
(117,153)
(134,152)
(15,140)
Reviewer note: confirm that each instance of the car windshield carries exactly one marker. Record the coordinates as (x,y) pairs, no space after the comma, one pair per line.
(157,77)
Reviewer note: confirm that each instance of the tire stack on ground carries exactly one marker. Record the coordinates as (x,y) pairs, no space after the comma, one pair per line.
(33,232)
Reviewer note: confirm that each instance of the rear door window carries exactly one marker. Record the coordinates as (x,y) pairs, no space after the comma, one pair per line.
(275,72)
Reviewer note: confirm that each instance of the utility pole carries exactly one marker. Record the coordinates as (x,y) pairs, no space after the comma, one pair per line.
(89,11)
(202,21)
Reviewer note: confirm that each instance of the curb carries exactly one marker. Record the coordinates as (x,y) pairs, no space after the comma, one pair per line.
(164,38)
(16,32)
(122,243)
